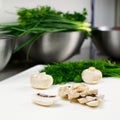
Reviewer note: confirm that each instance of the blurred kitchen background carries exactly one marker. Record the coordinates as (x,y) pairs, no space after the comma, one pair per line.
(105,14)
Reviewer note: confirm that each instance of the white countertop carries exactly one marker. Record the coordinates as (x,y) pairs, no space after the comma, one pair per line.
(16,101)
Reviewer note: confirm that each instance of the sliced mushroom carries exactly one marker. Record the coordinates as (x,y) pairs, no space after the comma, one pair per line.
(82,100)
(82,94)
(44,99)
(92,92)
(72,95)
(80,87)
(63,91)
(91,101)
(94,103)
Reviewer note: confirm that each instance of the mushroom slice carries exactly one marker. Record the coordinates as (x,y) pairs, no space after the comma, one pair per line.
(82,100)
(94,103)
(73,95)
(44,99)
(63,91)
(80,87)
(92,92)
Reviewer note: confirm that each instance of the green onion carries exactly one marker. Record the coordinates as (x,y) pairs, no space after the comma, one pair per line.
(37,21)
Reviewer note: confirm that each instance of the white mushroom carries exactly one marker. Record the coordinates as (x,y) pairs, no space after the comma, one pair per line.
(91,75)
(44,99)
(41,81)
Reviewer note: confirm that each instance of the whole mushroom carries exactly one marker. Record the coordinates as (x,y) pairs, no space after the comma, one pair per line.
(41,80)
(91,75)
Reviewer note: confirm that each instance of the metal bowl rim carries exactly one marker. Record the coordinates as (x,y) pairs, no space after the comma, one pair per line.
(106,28)
(7,37)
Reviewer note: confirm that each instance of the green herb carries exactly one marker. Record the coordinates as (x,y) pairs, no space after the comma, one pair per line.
(28,15)
(71,71)
(38,21)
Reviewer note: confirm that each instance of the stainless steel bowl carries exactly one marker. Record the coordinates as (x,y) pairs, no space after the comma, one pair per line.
(7,44)
(107,40)
(55,47)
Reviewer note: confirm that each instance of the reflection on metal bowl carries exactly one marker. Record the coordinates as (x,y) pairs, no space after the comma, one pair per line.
(55,47)
(107,40)
(7,44)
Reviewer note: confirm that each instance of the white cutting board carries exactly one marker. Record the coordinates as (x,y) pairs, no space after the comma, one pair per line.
(16,101)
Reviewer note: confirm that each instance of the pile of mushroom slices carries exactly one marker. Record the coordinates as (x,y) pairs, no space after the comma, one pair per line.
(82,94)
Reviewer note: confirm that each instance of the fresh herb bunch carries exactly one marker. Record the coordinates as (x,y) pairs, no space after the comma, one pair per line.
(37,21)
(71,71)
(28,15)
(76,16)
